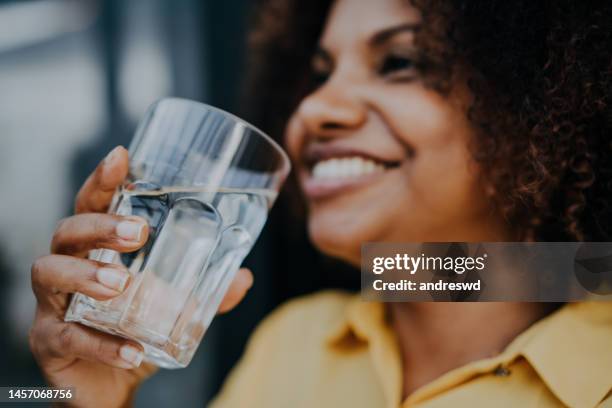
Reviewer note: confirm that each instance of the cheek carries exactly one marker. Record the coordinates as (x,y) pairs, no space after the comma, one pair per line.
(425,120)
(442,176)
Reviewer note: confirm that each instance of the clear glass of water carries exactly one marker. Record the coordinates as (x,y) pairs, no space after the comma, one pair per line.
(204,180)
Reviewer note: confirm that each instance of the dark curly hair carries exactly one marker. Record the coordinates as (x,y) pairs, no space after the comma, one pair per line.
(541,76)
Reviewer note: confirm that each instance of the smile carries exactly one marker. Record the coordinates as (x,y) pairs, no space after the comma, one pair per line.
(348,167)
(336,175)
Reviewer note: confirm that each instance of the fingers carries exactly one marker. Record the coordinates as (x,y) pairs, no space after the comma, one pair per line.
(238,288)
(55,274)
(80,233)
(52,338)
(96,193)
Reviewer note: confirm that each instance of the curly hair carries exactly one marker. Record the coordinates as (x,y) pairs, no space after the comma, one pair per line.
(541,77)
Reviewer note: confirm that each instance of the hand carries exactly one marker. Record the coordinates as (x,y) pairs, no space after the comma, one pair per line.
(104,369)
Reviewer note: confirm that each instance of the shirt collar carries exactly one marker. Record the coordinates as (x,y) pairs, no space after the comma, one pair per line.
(362,320)
(365,323)
(571,350)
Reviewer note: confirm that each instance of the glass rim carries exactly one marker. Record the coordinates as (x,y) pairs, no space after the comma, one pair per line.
(286,168)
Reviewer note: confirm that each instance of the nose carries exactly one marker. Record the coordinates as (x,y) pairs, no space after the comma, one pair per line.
(332,110)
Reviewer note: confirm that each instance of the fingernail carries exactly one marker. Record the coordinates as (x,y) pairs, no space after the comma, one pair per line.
(112,155)
(130,230)
(112,278)
(131,354)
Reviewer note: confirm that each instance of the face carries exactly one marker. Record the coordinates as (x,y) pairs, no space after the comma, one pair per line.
(380,156)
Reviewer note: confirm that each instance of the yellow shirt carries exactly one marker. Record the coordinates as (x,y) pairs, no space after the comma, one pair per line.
(334,350)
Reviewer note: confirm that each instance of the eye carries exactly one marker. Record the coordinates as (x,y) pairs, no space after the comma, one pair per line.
(397,66)
(318,78)
(320,68)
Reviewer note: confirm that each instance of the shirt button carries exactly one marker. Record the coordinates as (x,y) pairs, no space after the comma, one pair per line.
(501,371)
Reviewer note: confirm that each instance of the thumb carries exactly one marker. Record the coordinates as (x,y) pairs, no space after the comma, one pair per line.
(96,193)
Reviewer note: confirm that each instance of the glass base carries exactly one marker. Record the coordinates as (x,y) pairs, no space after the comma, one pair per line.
(158,350)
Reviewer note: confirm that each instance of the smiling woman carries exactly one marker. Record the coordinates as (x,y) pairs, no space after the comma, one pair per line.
(406,122)
(536,79)
(412,121)
(368,102)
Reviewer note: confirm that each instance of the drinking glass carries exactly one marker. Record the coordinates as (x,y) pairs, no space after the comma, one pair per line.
(204,180)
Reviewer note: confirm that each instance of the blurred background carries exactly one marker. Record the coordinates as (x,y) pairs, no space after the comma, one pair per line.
(75,77)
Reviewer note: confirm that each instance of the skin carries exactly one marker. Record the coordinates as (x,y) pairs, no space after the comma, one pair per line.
(432,194)
(370,100)
(73,355)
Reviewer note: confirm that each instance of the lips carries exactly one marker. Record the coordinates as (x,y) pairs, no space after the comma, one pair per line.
(332,170)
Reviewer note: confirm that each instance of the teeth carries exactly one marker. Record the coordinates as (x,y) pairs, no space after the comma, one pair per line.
(345,168)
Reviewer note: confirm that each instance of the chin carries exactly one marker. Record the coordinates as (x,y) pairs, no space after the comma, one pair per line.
(338,241)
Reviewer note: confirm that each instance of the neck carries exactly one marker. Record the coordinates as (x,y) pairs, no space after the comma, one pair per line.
(451,335)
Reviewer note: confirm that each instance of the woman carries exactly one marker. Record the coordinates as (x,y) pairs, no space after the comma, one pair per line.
(461,122)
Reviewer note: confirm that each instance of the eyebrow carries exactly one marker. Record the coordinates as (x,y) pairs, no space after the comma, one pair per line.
(387,33)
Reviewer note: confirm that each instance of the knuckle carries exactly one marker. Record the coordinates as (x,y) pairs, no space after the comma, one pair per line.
(36,270)
(100,227)
(81,282)
(99,347)
(58,234)
(66,337)
(32,339)
(38,336)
